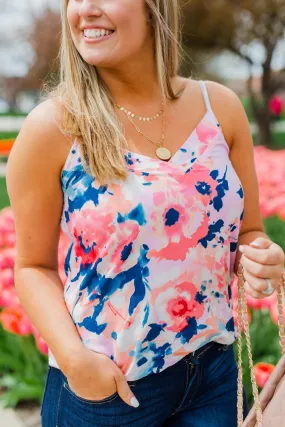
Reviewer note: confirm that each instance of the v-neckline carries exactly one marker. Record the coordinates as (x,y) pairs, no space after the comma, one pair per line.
(176,154)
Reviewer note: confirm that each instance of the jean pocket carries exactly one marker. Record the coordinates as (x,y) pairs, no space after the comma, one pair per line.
(45,389)
(88,401)
(222,361)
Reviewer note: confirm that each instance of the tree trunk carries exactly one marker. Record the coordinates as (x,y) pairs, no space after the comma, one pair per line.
(264,136)
(260,109)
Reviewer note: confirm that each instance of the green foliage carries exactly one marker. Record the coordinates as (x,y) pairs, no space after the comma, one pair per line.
(8,135)
(265,345)
(278,141)
(4,199)
(23,369)
(247,106)
(275,229)
(263,332)
(13,114)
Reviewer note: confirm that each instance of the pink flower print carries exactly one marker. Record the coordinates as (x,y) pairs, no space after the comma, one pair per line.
(180,234)
(206,131)
(127,233)
(201,183)
(175,217)
(91,232)
(178,304)
(86,257)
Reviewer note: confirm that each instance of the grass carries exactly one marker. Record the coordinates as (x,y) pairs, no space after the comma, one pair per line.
(11,114)
(278,141)
(8,135)
(275,229)
(4,199)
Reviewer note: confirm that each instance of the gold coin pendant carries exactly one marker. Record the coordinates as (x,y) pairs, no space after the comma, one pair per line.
(163,153)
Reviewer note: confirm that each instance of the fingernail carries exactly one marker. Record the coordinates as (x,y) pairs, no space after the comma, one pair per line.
(241,248)
(135,402)
(255,244)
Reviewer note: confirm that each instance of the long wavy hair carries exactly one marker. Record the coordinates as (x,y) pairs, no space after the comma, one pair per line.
(88,112)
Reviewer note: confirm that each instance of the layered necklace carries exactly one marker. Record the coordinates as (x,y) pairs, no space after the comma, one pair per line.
(161,152)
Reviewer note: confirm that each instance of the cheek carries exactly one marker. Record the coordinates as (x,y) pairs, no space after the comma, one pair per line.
(131,22)
(72,15)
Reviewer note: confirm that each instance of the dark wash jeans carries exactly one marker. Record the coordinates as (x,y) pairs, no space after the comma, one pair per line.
(198,391)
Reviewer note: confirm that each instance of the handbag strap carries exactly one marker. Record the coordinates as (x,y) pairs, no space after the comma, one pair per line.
(243,326)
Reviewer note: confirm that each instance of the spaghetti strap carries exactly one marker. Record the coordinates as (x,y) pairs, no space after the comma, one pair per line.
(205,95)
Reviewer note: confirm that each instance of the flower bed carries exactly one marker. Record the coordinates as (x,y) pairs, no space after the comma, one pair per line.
(23,357)
(6,146)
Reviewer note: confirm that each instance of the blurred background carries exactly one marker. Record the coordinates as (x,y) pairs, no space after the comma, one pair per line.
(240,44)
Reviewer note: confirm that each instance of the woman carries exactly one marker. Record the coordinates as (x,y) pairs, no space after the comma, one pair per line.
(152,178)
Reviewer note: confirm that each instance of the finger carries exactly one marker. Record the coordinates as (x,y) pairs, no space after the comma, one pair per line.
(263,256)
(259,270)
(125,392)
(258,285)
(261,242)
(252,292)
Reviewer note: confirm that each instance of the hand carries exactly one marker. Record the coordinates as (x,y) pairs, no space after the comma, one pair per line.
(94,376)
(261,260)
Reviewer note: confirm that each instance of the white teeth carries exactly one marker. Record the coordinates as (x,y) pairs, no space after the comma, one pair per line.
(95,33)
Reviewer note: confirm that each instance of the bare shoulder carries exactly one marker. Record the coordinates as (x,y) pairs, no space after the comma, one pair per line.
(220,93)
(42,132)
(34,187)
(40,149)
(228,109)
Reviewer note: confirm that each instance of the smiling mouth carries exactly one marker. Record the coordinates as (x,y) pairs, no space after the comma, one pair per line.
(96,34)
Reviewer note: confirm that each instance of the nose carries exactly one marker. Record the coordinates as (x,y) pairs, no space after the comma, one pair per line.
(89,8)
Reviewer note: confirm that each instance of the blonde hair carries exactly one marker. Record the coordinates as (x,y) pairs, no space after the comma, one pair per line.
(88,110)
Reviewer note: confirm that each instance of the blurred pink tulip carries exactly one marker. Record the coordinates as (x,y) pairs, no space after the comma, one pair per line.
(13,317)
(276,105)
(271,185)
(7,219)
(9,297)
(253,303)
(274,313)
(7,228)
(7,258)
(41,344)
(7,278)
(262,372)
(259,304)
(15,321)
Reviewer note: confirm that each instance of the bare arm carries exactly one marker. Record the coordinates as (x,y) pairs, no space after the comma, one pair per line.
(261,258)
(33,181)
(242,157)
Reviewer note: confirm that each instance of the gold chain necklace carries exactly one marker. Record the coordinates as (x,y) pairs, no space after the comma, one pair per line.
(161,152)
(143,119)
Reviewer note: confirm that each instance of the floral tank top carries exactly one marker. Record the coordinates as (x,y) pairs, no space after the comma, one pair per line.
(151,259)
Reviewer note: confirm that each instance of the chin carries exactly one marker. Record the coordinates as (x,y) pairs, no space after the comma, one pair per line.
(101,61)
(97,61)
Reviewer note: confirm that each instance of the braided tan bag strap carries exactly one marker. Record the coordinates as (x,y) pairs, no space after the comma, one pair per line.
(243,326)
